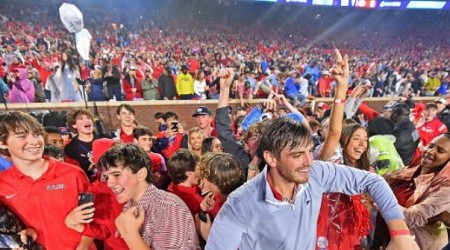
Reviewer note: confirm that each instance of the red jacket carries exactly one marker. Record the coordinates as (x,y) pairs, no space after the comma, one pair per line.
(431,129)
(127,89)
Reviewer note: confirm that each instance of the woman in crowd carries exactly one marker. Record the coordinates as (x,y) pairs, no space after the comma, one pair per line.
(65,78)
(96,93)
(196,136)
(132,85)
(211,144)
(422,191)
(150,86)
(200,85)
(344,221)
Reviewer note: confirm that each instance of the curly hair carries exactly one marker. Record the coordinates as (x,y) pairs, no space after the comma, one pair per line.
(75,114)
(223,170)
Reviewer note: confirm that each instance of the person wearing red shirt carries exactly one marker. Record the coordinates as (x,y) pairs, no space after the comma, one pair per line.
(324,84)
(106,205)
(185,181)
(432,126)
(194,65)
(220,174)
(132,85)
(43,192)
(143,137)
(127,118)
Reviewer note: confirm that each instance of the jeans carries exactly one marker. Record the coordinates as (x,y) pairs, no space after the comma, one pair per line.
(115,90)
(297,96)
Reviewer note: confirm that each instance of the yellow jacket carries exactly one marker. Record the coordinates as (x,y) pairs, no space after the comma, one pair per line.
(185,84)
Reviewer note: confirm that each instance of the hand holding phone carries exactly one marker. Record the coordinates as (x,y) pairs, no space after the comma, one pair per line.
(82,214)
(84,198)
(174,126)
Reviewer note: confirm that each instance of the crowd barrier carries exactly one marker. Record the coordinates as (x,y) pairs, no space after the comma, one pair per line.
(146,109)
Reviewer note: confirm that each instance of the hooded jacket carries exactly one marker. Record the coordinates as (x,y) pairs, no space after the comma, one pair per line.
(22,90)
(430,198)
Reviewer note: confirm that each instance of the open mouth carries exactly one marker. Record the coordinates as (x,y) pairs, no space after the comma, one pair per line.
(359,151)
(117,191)
(427,159)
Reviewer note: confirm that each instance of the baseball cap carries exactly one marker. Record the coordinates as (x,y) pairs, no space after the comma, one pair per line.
(201,111)
(441,100)
(323,105)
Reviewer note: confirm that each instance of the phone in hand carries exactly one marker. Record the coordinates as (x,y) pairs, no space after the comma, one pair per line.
(174,126)
(84,198)
(202,216)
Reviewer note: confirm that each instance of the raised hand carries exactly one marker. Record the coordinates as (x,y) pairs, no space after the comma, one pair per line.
(226,77)
(340,70)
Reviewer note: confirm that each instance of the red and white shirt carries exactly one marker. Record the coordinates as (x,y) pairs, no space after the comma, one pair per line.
(168,223)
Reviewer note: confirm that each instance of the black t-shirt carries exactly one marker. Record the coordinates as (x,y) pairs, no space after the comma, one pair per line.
(82,153)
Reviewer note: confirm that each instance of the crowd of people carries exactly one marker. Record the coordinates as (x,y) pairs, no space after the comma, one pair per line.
(162,59)
(278,175)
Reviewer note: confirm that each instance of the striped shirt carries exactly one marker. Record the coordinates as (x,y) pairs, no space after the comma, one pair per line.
(168,223)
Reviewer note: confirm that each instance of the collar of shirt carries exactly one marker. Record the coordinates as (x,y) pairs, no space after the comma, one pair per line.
(48,174)
(125,137)
(275,197)
(146,199)
(190,190)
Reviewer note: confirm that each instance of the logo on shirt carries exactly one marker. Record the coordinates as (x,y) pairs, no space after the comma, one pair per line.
(10,196)
(56,187)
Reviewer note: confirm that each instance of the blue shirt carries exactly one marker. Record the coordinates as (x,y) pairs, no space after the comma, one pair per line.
(4,164)
(252,218)
(290,86)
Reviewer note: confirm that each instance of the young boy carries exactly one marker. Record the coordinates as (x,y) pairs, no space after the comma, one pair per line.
(127,117)
(41,191)
(79,150)
(143,137)
(185,181)
(152,217)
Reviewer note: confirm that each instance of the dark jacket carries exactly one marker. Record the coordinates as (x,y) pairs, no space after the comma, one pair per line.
(444,116)
(166,86)
(226,136)
(407,139)
(114,79)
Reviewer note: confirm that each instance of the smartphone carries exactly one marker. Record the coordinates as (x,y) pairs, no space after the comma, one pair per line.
(84,198)
(174,126)
(202,216)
